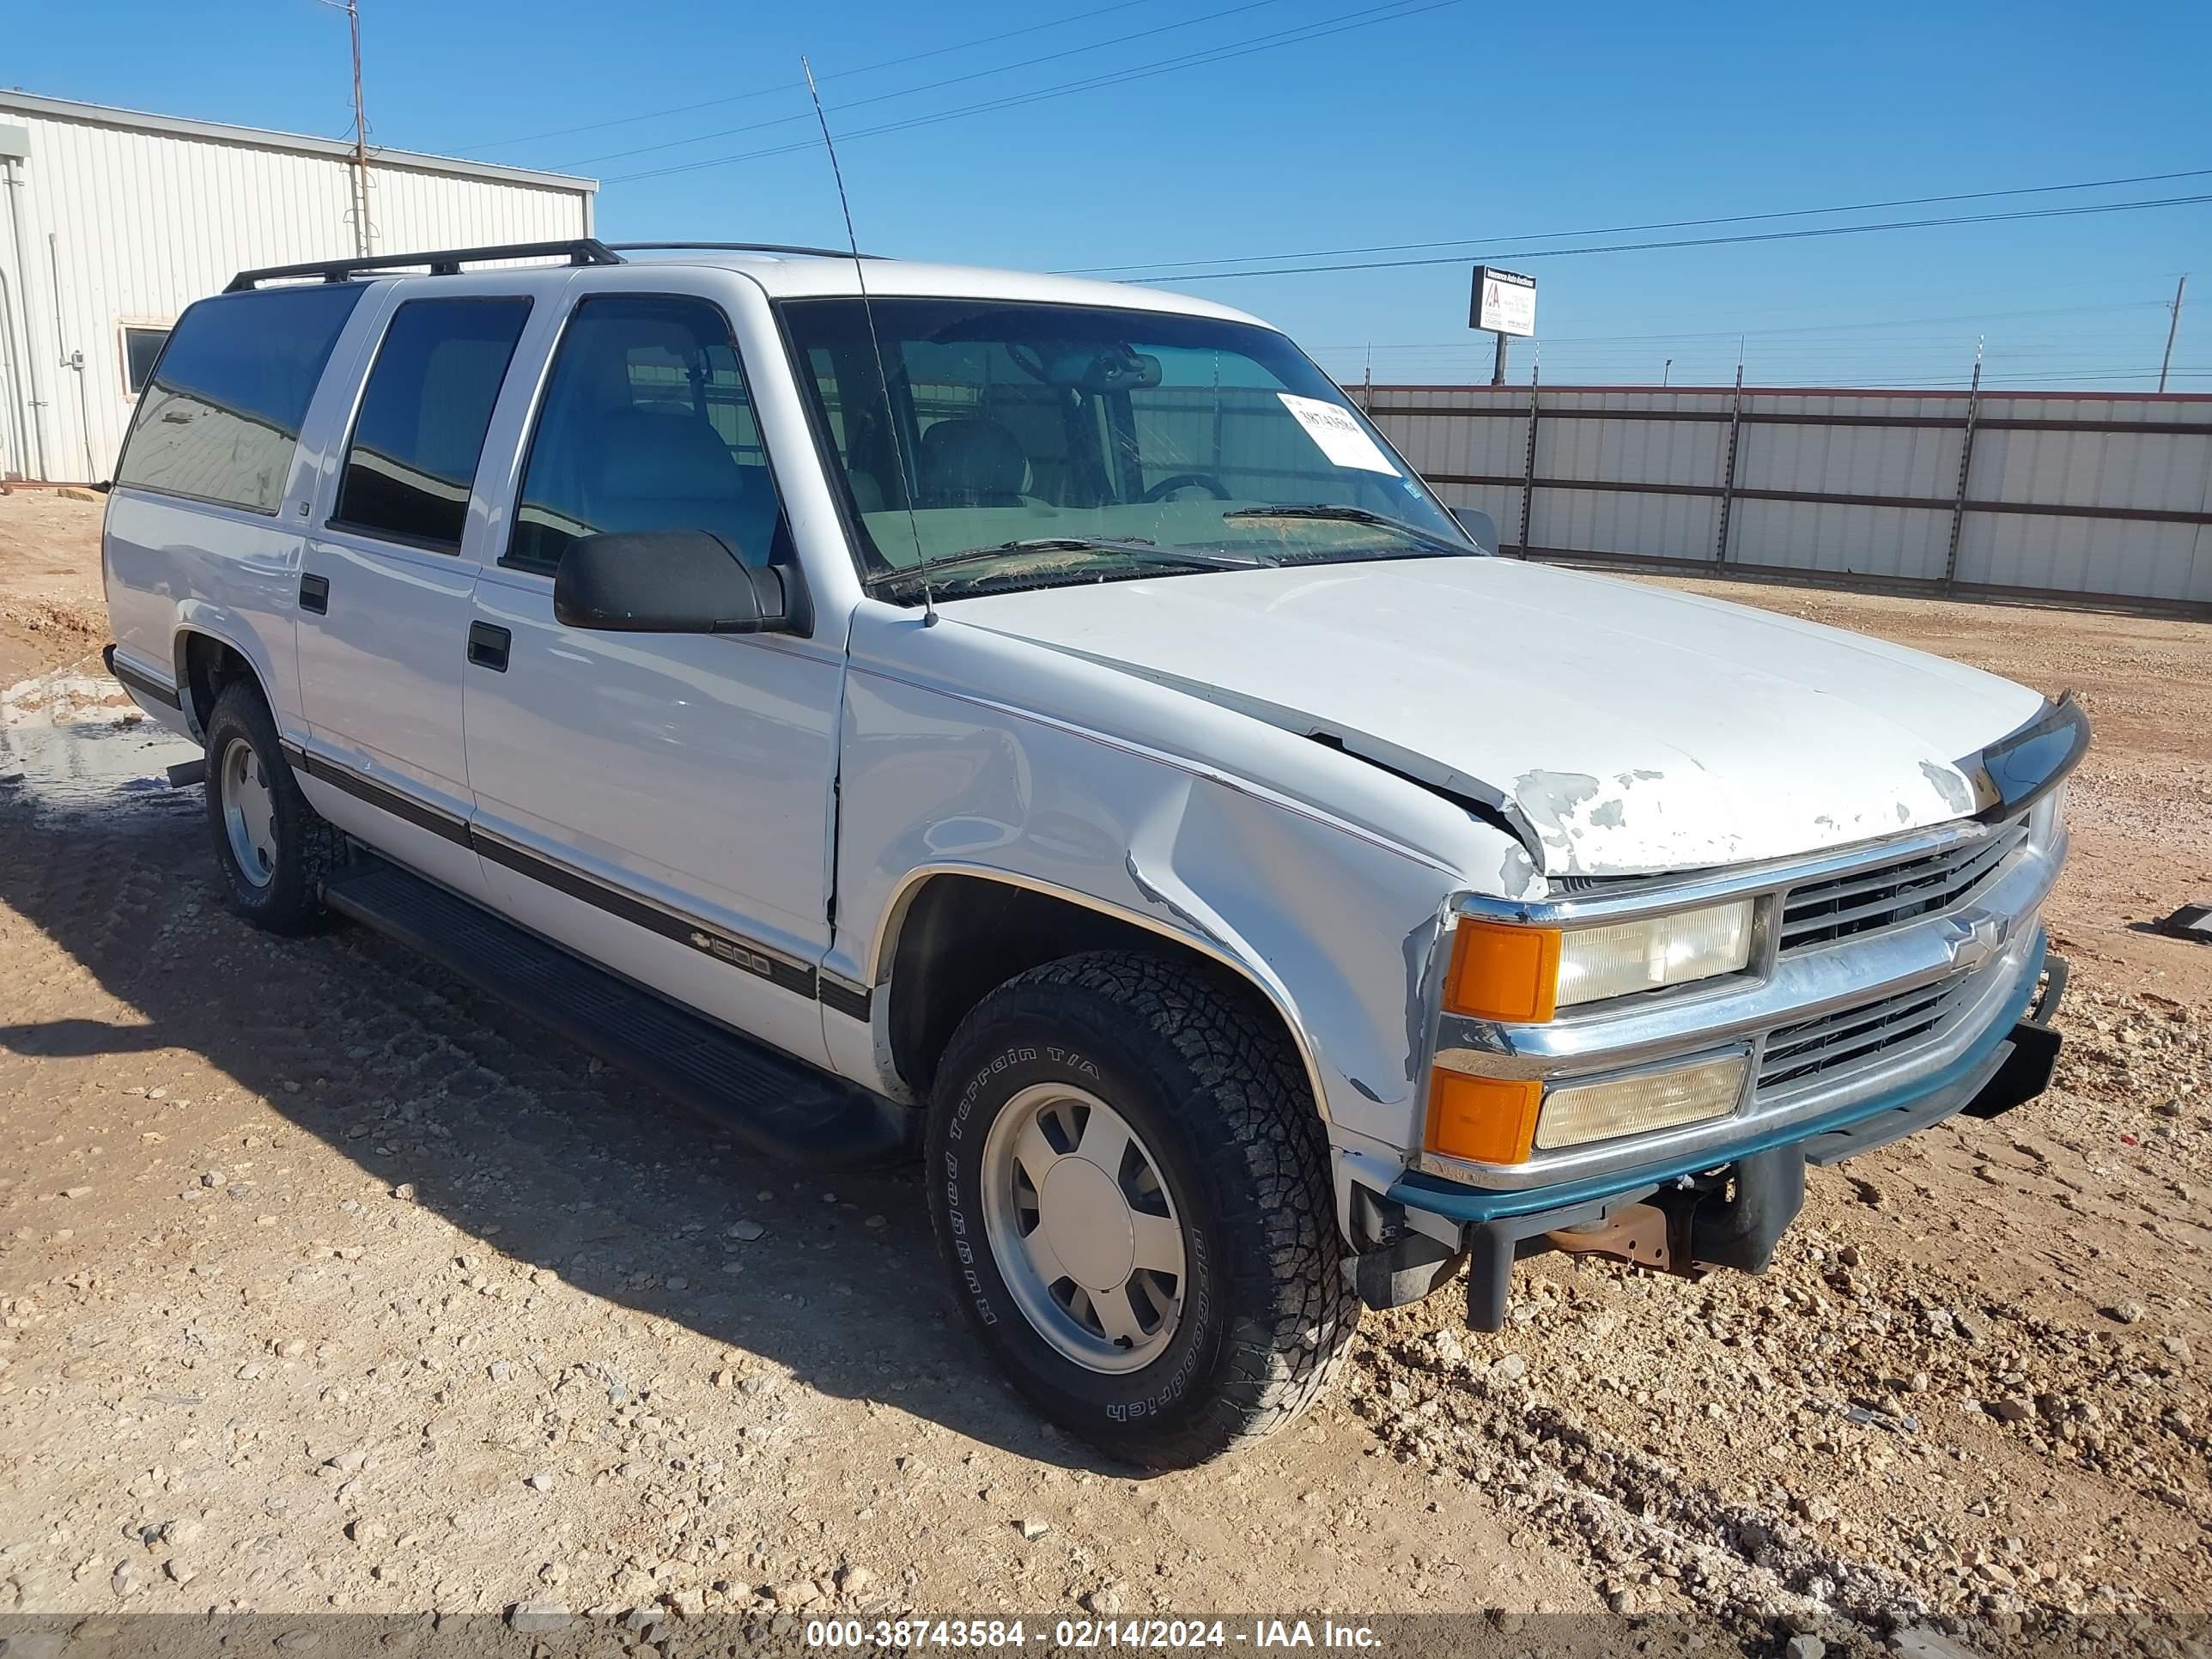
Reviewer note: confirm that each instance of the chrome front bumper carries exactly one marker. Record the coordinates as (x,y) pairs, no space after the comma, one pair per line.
(1984,952)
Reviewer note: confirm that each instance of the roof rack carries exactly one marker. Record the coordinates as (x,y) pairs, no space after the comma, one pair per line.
(737,248)
(581,251)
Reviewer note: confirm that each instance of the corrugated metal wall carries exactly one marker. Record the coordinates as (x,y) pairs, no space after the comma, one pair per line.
(2027,493)
(144,222)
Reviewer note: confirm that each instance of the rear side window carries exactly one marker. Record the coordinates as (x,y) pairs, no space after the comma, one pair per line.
(221,418)
(424,414)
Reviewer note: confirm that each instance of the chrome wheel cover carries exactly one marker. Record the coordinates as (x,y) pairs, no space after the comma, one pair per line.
(1083,1228)
(249,812)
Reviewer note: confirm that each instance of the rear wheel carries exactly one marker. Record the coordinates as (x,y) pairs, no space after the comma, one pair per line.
(273,847)
(1131,1185)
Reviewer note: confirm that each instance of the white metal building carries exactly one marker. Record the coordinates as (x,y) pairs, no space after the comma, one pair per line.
(115,222)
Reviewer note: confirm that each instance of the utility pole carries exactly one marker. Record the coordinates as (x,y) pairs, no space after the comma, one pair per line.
(360,139)
(2172,328)
(1667,374)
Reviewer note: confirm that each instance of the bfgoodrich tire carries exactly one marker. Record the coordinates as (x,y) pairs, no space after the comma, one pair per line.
(1130,1184)
(272,849)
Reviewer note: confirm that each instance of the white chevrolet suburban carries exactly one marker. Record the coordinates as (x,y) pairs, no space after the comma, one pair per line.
(1044,725)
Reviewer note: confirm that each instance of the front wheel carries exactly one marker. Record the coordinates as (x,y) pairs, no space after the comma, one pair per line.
(1130,1184)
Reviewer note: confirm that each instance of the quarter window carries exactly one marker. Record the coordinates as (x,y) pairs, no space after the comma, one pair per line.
(646,425)
(424,415)
(221,418)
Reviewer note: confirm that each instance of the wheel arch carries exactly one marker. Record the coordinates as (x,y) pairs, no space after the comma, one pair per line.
(931,972)
(205,662)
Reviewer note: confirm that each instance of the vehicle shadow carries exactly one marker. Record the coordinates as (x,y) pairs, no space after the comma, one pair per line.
(500,1126)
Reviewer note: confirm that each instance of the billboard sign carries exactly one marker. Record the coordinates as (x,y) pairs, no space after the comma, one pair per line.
(1505,301)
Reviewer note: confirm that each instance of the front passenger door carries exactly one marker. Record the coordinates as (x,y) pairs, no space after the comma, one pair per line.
(659,803)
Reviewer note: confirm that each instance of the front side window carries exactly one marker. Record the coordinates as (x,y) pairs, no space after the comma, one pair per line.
(1041,445)
(412,461)
(221,418)
(646,425)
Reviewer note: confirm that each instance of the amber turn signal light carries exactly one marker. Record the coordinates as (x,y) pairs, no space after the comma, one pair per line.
(1500,971)
(1491,1120)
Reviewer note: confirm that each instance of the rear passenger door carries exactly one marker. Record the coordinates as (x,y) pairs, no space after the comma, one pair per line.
(385,592)
(659,803)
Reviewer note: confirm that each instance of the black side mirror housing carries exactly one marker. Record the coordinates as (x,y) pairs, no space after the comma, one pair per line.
(674,581)
(1481,529)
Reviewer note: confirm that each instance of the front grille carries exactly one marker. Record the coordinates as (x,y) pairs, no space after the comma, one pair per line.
(1859,901)
(1819,1049)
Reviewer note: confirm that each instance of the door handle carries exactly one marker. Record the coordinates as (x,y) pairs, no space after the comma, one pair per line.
(487,646)
(315,594)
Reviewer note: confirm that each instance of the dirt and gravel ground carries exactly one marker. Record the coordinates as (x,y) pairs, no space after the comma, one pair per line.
(329,1284)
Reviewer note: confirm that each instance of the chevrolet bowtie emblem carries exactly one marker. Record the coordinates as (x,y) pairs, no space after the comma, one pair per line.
(1974,941)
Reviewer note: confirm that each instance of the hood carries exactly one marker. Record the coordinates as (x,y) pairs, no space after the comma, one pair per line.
(1627,728)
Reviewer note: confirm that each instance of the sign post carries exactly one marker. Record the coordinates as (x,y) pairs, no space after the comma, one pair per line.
(1503,303)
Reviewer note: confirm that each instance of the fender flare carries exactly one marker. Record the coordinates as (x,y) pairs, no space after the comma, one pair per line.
(190,627)
(882,949)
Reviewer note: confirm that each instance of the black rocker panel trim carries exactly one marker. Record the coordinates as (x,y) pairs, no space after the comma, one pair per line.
(139,680)
(732,948)
(853,1001)
(735,949)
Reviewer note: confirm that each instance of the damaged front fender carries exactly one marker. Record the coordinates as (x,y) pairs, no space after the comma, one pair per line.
(1336,924)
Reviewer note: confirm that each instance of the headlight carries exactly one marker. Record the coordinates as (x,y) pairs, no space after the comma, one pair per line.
(1596,962)
(1501,1119)
(1501,970)
(1574,1116)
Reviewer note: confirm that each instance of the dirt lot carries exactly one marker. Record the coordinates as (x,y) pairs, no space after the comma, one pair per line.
(328,1285)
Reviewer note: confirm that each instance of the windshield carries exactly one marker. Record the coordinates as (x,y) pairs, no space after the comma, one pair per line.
(1048,445)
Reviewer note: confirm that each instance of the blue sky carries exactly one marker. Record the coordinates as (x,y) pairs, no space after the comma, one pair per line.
(1483,119)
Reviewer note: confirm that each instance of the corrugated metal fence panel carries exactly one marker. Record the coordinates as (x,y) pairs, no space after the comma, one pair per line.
(1479,444)
(1596,521)
(145,222)
(2103,497)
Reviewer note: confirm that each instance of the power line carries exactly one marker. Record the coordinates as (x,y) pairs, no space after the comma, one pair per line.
(800,86)
(1693,241)
(930,85)
(1343,23)
(1669,224)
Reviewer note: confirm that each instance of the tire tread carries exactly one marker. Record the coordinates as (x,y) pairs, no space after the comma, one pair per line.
(1260,1141)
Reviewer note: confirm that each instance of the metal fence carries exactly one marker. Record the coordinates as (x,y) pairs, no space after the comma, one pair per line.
(2100,497)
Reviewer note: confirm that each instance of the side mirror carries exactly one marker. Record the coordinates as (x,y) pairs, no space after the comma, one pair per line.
(1481,529)
(673,581)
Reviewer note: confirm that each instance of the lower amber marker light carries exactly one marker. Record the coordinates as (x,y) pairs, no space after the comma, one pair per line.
(1490,1120)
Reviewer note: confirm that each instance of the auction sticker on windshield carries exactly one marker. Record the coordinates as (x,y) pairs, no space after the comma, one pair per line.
(1341,438)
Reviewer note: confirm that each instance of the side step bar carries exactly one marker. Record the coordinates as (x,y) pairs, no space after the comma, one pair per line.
(777,1105)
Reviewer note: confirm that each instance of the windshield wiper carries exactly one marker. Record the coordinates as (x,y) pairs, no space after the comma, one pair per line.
(1351,515)
(1147,552)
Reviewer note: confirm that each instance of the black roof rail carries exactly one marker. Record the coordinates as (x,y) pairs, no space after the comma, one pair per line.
(446,262)
(737,248)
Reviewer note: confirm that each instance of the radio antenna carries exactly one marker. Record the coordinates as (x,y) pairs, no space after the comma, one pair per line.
(875,344)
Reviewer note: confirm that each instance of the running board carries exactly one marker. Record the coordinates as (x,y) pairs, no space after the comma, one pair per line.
(776,1105)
